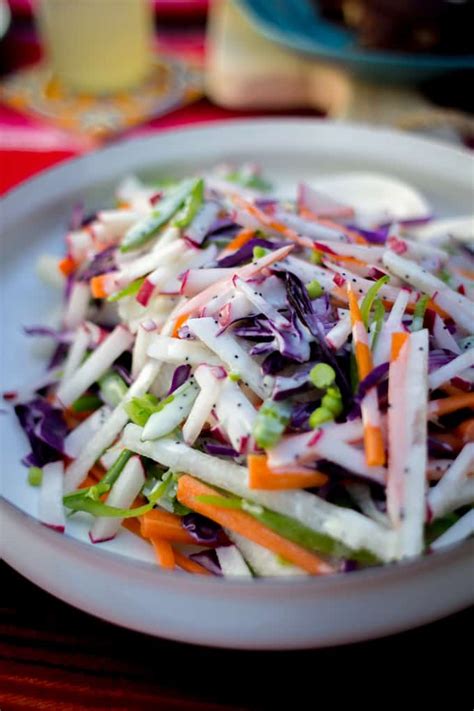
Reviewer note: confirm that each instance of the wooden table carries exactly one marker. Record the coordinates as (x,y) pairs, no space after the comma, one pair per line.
(55,658)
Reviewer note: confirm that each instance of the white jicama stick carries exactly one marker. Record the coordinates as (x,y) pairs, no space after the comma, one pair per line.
(350,527)
(80,244)
(117,222)
(78,469)
(452,369)
(323,445)
(339,334)
(121,496)
(195,280)
(175,409)
(246,272)
(230,352)
(50,506)
(442,336)
(310,228)
(361,286)
(181,351)
(372,254)
(148,262)
(262,561)
(236,415)
(415,250)
(392,325)
(440,496)
(362,497)
(262,306)
(76,352)
(210,381)
(79,438)
(458,532)
(111,455)
(459,308)
(140,347)
(464,496)
(407,428)
(232,562)
(96,365)
(307,272)
(78,303)
(197,230)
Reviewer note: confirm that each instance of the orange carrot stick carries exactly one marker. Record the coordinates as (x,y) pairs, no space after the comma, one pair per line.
(190,566)
(164,553)
(352,234)
(262,477)
(161,524)
(373,438)
(443,406)
(398,341)
(67,265)
(466,431)
(178,323)
(271,223)
(98,286)
(239,240)
(189,491)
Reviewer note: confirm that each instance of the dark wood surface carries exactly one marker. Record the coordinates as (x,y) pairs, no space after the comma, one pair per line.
(56,658)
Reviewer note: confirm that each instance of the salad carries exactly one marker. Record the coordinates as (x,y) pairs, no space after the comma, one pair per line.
(255,385)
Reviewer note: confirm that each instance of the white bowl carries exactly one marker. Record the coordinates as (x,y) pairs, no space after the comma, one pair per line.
(118,580)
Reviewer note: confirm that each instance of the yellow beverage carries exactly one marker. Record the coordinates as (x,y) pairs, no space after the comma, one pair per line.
(97,46)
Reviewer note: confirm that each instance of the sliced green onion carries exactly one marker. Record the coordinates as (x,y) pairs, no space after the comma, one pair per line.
(130,290)
(249,181)
(419,313)
(322,376)
(35,476)
(369,298)
(259,252)
(332,401)
(139,409)
(445,276)
(316,257)
(113,388)
(320,416)
(86,403)
(377,320)
(270,423)
(314,289)
(235,377)
(104,485)
(192,205)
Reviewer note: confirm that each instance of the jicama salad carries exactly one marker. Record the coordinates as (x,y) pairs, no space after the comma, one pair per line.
(257,385)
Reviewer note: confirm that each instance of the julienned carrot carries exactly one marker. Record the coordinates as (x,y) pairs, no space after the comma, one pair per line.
(164,553)
(398,341)
(190,566)
(67,265)
(444,406)
(98,286)
(271,223)
(180,321)
(161,524)
(239,240)
(133,525)
(373,438)
(189,492)
(262,477)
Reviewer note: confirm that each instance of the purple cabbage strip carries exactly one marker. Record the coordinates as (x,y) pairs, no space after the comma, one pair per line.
(301,303)
(204,531)
(300,415)
(252,327)
(372,379)
(101,263)
(123,372)
(180,375)
(220,224)
(209,560)
(245,253)
(287,385)
(264,348)
(375,236)
(59,355)
(220,450)
(291,342)
(45,428)
(273,363)
(46,331)
(349,566)
(438,358)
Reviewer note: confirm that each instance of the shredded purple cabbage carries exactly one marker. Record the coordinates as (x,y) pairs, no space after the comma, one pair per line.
(180,375)
(245,253)
(48,332)
(274,363)
(59,356)
(220,450)
(45,427)
(300,415)
(375,236)
(438,358)
(102,263)
(204,531)
(373,378)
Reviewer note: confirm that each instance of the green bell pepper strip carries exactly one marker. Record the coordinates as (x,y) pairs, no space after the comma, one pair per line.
(144,230)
